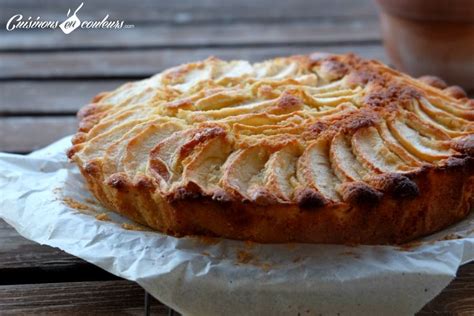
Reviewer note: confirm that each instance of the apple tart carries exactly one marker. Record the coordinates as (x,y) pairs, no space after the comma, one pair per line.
(319,149)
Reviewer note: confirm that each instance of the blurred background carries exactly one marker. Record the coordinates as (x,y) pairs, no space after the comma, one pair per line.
(46,75)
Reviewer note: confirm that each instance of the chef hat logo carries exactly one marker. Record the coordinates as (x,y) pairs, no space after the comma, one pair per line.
(72,22)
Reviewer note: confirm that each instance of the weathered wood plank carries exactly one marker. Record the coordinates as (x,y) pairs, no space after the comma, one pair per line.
(24,134)
(78,298)
(164,35)
(18,252)
(457,298)
(141,63)
(66,97)
(186,11)
(26,262)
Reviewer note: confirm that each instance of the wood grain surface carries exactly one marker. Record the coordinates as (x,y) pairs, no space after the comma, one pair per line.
(142,63)
(173,36)
(26,133)
(26,262)
(50,97)
(192,12)
(118,297)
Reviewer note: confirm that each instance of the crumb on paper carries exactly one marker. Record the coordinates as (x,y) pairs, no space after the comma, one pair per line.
(244,256)
(266,266)
(206,239)
(451,236)
(75,204)
(137,227)
(414,244)
(249,244)
(410,245)
(92,201)
(353,245)
(103,217)
(57,190)
(86,207)
(351,254)
(291,245)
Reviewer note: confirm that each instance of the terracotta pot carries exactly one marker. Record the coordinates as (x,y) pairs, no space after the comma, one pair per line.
(434,37)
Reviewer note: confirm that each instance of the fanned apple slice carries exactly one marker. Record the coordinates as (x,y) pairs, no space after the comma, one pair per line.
(314,169)
(328,99)
(124,92)
(185,77)
(229,71)
(204,167)
(96,147)
(280,174)
(162,157)
(135,159)
(134,92)
(114,153)
(337,93)
(330,87)
(452,107)
(277,129)
(279,69)
(345,164)
(137,113)
(244,169)
(272,88)
(373,154)
(331,101)
(428,149)
(394,145)
(251,107)
(221,99)
(430,120)
(450,124)
(258,119)
(333,112)
(167,157)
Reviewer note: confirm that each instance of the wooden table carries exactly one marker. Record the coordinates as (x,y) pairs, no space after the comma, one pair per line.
(45,76)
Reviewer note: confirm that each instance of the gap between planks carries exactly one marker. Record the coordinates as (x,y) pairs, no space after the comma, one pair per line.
(46,97)
(25,134)
(117,64)
(196,36)
(187,12)
(25,262)
(119,297)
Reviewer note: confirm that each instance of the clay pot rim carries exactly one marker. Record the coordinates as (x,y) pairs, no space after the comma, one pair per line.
(456,11)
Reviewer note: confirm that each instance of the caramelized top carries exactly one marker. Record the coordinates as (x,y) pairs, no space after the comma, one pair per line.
(311,130)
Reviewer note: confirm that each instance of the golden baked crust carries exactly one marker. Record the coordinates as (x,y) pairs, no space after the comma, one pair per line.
(320,148)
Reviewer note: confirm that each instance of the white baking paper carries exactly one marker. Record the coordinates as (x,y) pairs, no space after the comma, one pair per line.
(202,276)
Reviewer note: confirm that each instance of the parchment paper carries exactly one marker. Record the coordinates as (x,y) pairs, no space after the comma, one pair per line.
(43,197)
